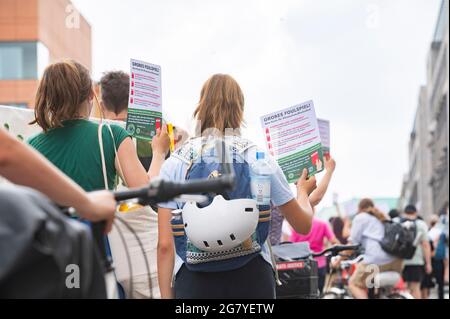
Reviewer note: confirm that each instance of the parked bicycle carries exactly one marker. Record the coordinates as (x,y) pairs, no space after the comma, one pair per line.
(298,271)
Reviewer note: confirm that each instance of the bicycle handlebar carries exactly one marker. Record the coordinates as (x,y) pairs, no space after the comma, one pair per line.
(348,263)
(335,250)
(161,191)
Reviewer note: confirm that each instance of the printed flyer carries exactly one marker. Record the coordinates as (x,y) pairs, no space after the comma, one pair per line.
(324,129)
(145,104)
(293,139)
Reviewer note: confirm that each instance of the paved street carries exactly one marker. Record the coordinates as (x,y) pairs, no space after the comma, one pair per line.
(434,293)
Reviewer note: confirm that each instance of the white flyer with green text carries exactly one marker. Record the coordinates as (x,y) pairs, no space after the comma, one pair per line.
(293,139)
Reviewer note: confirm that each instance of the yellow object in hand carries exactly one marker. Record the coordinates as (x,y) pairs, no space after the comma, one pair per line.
(170,131)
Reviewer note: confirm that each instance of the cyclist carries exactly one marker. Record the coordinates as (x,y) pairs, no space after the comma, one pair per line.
(320,234)
(368,230)
(22,165)
(221,108)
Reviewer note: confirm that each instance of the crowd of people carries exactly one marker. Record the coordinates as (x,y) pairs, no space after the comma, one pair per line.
(426,269)
(77,162)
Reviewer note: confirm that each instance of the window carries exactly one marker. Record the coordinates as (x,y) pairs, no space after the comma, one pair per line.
(23,105)
(18,60)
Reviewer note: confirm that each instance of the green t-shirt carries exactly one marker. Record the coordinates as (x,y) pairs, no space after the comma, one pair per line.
(75,150)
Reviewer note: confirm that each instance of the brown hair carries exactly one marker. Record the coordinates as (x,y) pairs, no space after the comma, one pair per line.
(115,90)
(365,203)
(221,104)
(62,89)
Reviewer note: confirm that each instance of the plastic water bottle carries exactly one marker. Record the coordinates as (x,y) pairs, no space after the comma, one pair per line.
(261,172)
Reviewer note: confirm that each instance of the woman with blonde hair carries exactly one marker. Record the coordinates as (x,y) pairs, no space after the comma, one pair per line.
(244,271)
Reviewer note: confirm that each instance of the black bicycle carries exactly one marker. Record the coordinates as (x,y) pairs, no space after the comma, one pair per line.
(297,269)
(57,257)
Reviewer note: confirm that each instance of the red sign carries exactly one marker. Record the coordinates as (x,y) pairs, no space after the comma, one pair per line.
(315,158)
(291,265)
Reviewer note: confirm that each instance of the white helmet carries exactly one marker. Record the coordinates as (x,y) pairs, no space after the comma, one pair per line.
(221,226)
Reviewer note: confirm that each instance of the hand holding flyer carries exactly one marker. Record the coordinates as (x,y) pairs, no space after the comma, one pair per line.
(293,139)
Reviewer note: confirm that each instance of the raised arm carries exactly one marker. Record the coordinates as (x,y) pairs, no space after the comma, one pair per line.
(317,195)
(132,171)
(24,166)
(299,213)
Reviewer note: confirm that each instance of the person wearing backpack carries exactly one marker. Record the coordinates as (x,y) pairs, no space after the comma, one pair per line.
(436,236)
(420,264)
(368,231)
(198,267)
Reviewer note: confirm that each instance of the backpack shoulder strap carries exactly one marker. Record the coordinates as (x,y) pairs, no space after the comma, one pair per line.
(238,144)
(102,155)
(189,151)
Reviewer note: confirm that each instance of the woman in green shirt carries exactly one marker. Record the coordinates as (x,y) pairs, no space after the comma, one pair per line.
(70,141)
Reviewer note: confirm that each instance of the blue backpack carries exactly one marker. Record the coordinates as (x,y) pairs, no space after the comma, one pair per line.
(440,252)
(204,162)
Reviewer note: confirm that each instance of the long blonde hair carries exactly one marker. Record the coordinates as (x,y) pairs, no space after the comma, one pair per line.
(221,104)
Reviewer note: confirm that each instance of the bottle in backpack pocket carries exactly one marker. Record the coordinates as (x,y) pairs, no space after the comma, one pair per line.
(260,179)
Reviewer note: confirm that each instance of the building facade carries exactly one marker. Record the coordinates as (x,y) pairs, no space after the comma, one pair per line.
(426,183)
(34,33)
(417,189)
(438,102)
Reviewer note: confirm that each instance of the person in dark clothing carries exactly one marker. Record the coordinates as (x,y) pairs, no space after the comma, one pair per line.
(394,213)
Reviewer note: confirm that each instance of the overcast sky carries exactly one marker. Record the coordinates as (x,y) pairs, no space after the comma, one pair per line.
(361,61)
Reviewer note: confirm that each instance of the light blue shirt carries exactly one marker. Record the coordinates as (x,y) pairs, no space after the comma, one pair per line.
(368,231)
(174,169)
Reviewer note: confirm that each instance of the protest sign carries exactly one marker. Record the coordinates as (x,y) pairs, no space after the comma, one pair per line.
(145,103)
(324,129)
(293,139)
(16,122)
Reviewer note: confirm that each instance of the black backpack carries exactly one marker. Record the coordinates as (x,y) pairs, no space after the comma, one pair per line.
(400,238)
(37,244)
